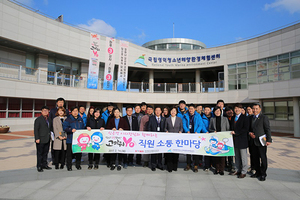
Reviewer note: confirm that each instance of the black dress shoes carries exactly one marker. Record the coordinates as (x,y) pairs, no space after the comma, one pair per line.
(56,167)
(96,167)
(216,172)
(47,167)
(255,175)
(78,168)
(153,169)
(262,178)
(221,173)
(112,167)
(90,167)
(69,168)
(61,166)
(119,167)
(39,169)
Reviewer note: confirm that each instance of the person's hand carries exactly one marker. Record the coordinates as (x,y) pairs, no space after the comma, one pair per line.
(101,129)
(64,138)
(215,131)
(232,132)
(268,143)
(252,135)
(188,132)
(114,129)
(167,131)
(195,132)
(73,130)
(207,132)
(89,128)
(61,138)
(37,141)
(120,129)
(179,132)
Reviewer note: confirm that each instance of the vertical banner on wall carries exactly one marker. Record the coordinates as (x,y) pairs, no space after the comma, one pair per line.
(109,64)
(93,72)
(123,66)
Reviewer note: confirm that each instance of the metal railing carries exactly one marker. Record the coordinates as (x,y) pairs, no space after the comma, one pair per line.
(41,76)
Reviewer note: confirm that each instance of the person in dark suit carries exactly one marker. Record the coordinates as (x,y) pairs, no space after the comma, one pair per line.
(116,123)
(133,125)
(260,127)
(240,140)
(60,102)
(42,131)
(173,125)
(156,124)
(95,122)
(139,117)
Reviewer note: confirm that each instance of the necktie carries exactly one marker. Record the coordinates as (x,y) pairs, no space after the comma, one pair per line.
(236,118)
(130,122)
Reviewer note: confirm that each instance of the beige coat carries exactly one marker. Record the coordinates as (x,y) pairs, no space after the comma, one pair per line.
(57,128)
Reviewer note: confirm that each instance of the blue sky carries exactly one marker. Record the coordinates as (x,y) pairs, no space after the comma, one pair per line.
(211,22)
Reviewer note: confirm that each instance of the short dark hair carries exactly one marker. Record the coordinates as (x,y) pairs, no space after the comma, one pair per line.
(60,99)
(250,106)
(199,105)
(110,104)
(220,100)
(81,106)
(182,101)
(116,108)
(127,107)
(96,110)
(256,104)
(217,108)
(207,106)
(149,106)
(136,105)
(73,108)
(157,107)
(143,104)
(228,108)
(45,107)
(192,105)
(239,105)
(174,107)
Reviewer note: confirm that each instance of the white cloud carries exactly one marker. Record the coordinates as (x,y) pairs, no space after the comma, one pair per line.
(291,5)
(99,26)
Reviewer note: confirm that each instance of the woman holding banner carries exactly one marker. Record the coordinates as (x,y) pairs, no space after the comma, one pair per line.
(173,125)
(73,123)
(95,122)
(116,123)
(218,123)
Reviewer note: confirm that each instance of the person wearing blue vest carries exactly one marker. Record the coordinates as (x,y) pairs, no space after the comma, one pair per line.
(182,109)
(71,124)
(192,123)
(206,120)
(108,112)
(82,114)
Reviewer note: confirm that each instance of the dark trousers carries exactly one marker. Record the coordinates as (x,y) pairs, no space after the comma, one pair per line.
(172,161)
(42,150)
(60,155)
(138,158)
(219,163)
(196,159)
(94,157)
(113,158)
(251,152)
(128,158)
(156,160)
(260,160)
(53,154)
(70,154)
(207,161)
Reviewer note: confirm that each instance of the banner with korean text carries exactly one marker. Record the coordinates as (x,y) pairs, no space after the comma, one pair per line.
(138,142)
(93,72)
(109,64)
(123,66)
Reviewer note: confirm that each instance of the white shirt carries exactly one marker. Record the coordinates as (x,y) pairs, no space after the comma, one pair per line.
(173,120)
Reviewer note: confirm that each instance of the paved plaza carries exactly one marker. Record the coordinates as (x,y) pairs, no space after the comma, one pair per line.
(19,178)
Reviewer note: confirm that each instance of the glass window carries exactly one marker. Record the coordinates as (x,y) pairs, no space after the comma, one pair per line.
(290,110)
(161,46)
(242,76)
(281,107)
(232,85)
(232,66)
(51,104)
(295,60)
(284,76)
(268,107)
(242,70)
(284,62)
(284,69)
(196,47)
(270,116)
(251,74)
(261,61)
(272,71)
(173,46)
(251,63)
(186,46)
(241,64)
(27,104)
(242,84)
(13,114)
(261,66)
(38,104)
(262,73)
(295,53)
(283,56)
(295,74)
(262,79)
(252,81)
(273,78)
(26,114)
(295,67)
(232,77)
(75,68)
(14,104)
(3,103)
(273,64)
(252,68)
(2,114)
(30,60)
(151,47)
(274,58)
(232,71)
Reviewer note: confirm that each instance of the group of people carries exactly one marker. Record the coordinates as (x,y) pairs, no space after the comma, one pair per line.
(247,129)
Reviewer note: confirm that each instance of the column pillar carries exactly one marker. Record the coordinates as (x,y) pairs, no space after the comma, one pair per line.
(225,77)
(84,74)
(197,80)
(151,80)
(296,117)
(87,107)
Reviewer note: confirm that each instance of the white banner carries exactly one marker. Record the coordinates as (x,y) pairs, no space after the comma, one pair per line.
(123,66)
(93,72)
(139,142)
(109,64)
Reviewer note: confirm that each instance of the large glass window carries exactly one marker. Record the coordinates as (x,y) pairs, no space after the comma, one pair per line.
(161,46)
(268,109)
(281,110)
(173,46)
(186,46)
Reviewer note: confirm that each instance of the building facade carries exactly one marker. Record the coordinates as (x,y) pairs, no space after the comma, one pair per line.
(42,59)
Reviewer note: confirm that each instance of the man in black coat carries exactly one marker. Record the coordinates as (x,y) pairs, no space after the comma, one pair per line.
(42,132)
(240,139)
(133,125)
(156,124)
(261,133)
